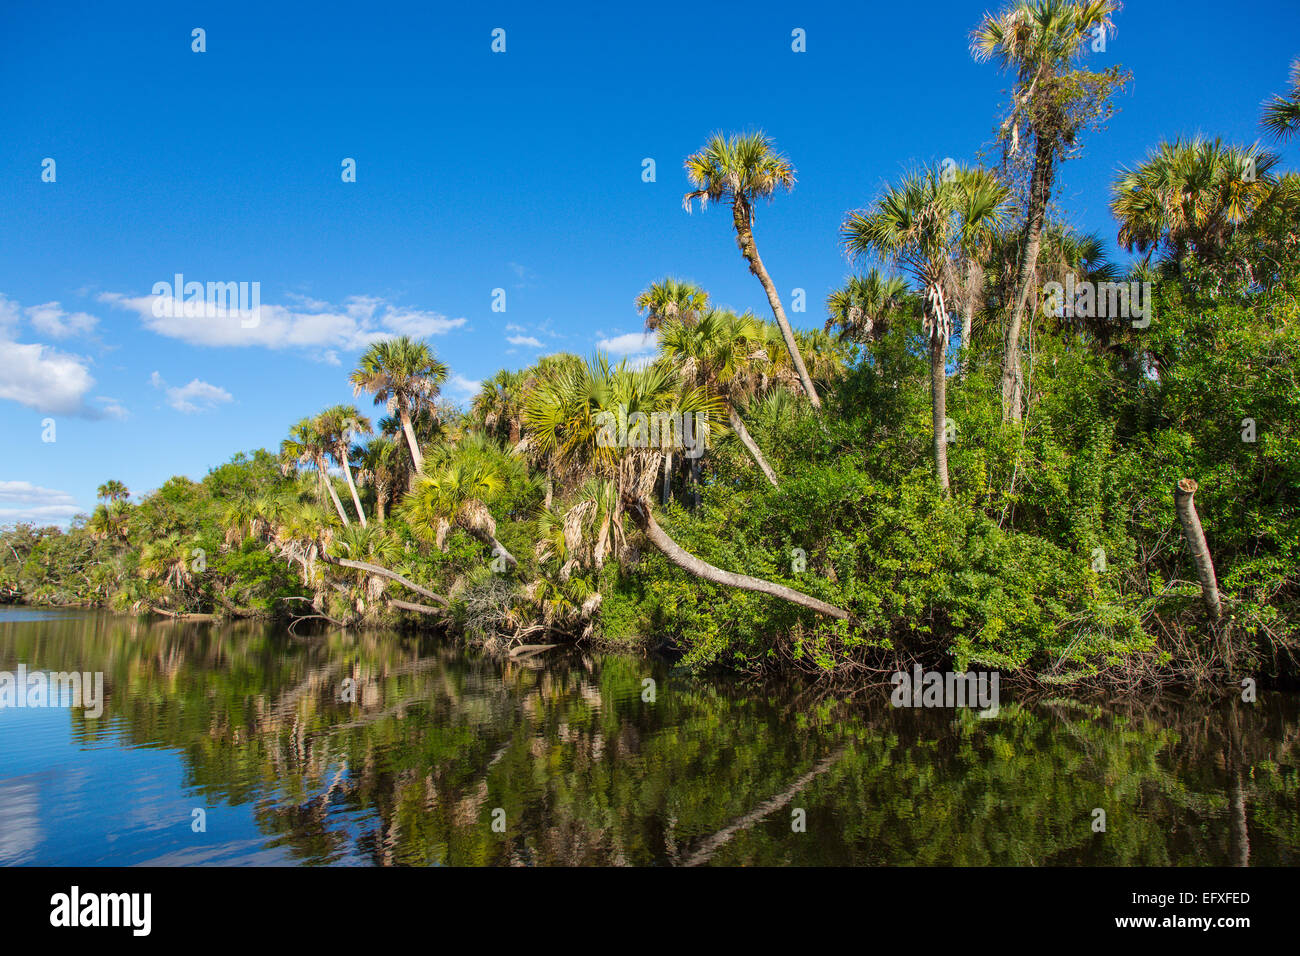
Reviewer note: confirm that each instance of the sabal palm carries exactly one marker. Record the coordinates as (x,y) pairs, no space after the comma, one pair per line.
(456,493)
(381,465)
(1190,194)
(1036,41)
(338,425)
(499,404)
(742,169)
(671,299)
(919,226)
(718,352)
(862,308)
(403,374)
(306,445)
(980,195)
(568,414)
(1281,117)
(112,490)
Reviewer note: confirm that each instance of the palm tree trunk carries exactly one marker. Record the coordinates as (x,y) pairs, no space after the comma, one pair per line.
(740,213)
(1040,191)
(384,573)
(499,548)
(329,486)
(550,484)
(352,487)
(742,432)
(416,457)
(1184,492)
(668,478)
(688,562)
(968,313)
(381,502)
(939,407)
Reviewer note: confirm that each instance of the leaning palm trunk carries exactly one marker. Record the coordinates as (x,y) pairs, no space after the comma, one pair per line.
(939,407)
(1184,493)
(409,431)
(384,573)
(329,486)
(745,239)
(742,432)
(968,312)
(1040,191)
(688,562)
(352,487)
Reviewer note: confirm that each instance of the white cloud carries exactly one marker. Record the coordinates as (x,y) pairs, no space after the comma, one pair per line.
(463,388)
(527,340)
(45,379)
(197,396)
(38,375)
(24,501)
(52,320)
(306,324)
(633,343)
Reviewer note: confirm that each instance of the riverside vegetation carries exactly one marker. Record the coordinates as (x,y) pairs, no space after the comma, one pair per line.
(956,471)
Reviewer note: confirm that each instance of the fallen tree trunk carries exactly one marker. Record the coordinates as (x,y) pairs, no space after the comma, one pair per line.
(385,573)
(687,561)
(1184,493)
(418,608)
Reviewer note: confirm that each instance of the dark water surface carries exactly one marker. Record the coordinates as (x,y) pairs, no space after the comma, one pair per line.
(246,724)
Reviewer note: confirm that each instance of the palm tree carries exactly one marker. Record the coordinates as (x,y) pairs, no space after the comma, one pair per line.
(919,226)
(978,188)
(498,405)
(1282,113)
(1038,41)
(457,493)
(380,465)
(338,425)
(861,310)
(112,490)
(717,352)
(1191,194)
(405,375)
(741,169)
(307,446)
(670,299)
(571,414)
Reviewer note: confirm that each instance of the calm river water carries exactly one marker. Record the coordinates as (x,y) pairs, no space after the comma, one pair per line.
(240,744)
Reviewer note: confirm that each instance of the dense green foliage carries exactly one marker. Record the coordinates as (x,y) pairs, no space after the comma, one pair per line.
(999,498)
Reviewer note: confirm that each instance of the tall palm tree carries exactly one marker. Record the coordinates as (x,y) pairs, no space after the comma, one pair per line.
(381,466)
(861,310)
(919,226)
(570,413)
(717,352)
(112,490)
(1191,194)
(741,169)
(499,405)
(405,375)
(1282,113)
(307,446)
(670,299)
(1037,41)
(338,425)
(978,187)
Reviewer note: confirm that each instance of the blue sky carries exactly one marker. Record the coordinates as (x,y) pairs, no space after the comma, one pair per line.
(475,171)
